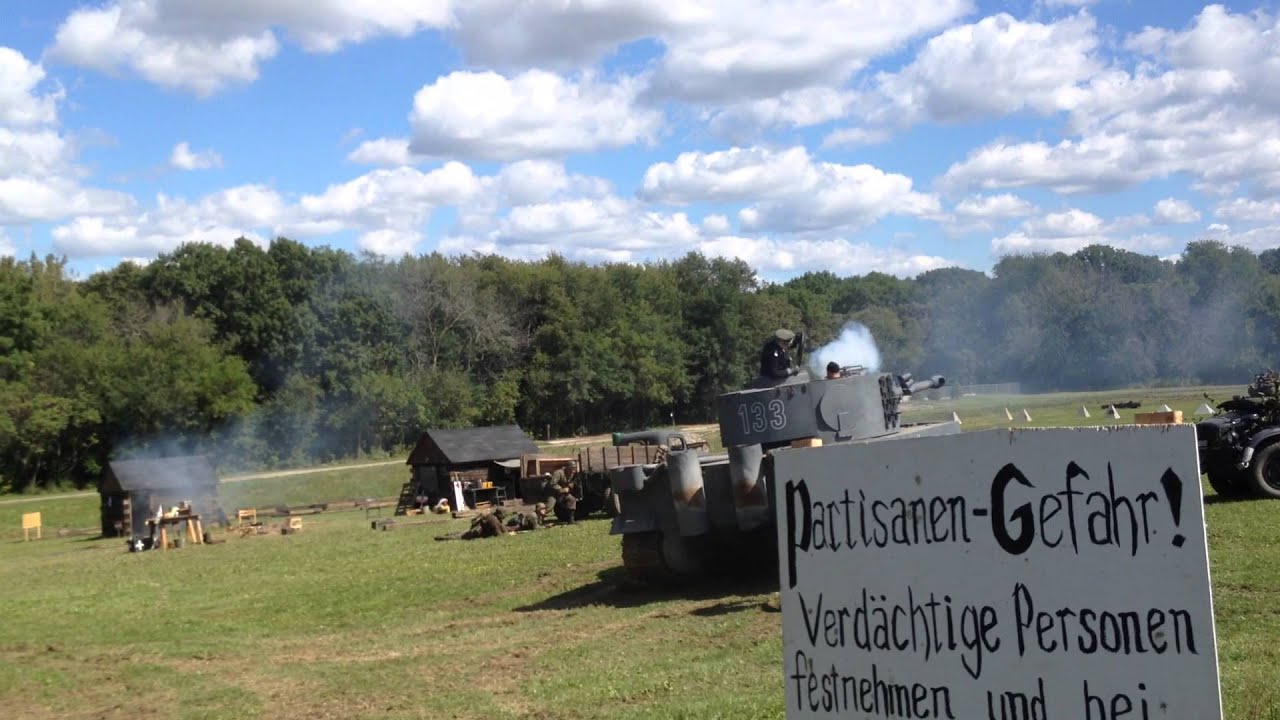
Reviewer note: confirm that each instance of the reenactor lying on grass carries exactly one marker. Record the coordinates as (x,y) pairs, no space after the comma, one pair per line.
(486,525)
(523,521)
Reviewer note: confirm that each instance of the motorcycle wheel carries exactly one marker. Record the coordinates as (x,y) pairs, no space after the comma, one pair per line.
(1228,483)
(1266,471)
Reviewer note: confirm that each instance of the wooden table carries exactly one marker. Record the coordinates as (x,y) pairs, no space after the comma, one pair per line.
(194,530)
(496,493)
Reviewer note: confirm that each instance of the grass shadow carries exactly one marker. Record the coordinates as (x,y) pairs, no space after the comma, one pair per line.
(726,607)
(1216,499)
(613,588)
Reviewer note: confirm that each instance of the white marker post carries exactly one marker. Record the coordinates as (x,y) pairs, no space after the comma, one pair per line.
(1011,574)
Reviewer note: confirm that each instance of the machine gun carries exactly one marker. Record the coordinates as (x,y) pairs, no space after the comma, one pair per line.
(852,370)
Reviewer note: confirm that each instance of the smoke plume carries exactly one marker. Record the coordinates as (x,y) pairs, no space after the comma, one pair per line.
(854,346)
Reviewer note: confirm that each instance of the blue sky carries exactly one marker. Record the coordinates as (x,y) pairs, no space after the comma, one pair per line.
(805,135)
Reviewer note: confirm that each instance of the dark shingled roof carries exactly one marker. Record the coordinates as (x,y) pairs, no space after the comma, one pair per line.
(191,471)
(469,445)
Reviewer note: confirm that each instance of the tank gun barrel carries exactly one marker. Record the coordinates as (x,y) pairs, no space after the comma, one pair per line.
(910,387)
(651,437)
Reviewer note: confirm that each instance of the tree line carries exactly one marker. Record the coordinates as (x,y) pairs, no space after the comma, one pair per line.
(289,354)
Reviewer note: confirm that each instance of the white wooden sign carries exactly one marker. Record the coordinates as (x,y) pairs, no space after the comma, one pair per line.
(459,502)
(1027,574)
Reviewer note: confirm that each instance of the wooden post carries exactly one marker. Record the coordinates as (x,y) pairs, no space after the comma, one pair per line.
(30,521)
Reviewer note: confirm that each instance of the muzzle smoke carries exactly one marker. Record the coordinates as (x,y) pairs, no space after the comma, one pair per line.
(854,346)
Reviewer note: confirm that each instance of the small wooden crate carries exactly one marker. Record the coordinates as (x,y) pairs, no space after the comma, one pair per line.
(1158,418)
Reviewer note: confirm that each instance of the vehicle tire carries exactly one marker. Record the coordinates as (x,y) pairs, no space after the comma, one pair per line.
(1266,471)
(1229,482)
(612,503)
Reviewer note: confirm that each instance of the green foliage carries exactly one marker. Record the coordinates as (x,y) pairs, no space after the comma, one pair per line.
(285,354)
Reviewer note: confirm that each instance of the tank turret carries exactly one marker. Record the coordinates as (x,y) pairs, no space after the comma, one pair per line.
(850,407)
(677,515)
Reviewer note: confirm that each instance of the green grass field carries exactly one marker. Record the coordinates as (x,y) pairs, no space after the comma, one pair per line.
(341,621)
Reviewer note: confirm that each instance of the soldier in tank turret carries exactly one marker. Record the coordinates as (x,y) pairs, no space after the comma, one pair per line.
(775,360)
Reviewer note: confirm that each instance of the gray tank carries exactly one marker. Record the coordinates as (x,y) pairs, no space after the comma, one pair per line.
(695,513)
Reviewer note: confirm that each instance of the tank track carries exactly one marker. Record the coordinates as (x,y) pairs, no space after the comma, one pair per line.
(642,558)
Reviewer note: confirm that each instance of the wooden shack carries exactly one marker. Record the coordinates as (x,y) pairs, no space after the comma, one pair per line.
(133,490)
(473,456)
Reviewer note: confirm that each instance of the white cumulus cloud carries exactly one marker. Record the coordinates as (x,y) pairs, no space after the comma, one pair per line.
(802,107)
(1202,101)
(1256,239)
(996,66)
(21,104)
(600,229)
(610,222)
(1172,211)
(528,182)
(839,255)
(383,202)
(205,46)
(34,153)
(29,199)
(1070,223)
(1073,229)
(500,33)
(387,208)
(993,207)
(791,192)
(856,136)
(721,51)
(533,114)
(383,151)
(737,50)
(1247,210)
(734,174)
(39,177)
(183,158)
(218,218)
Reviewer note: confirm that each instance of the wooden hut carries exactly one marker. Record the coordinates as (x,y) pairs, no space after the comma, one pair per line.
(472,456)
(134,490)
